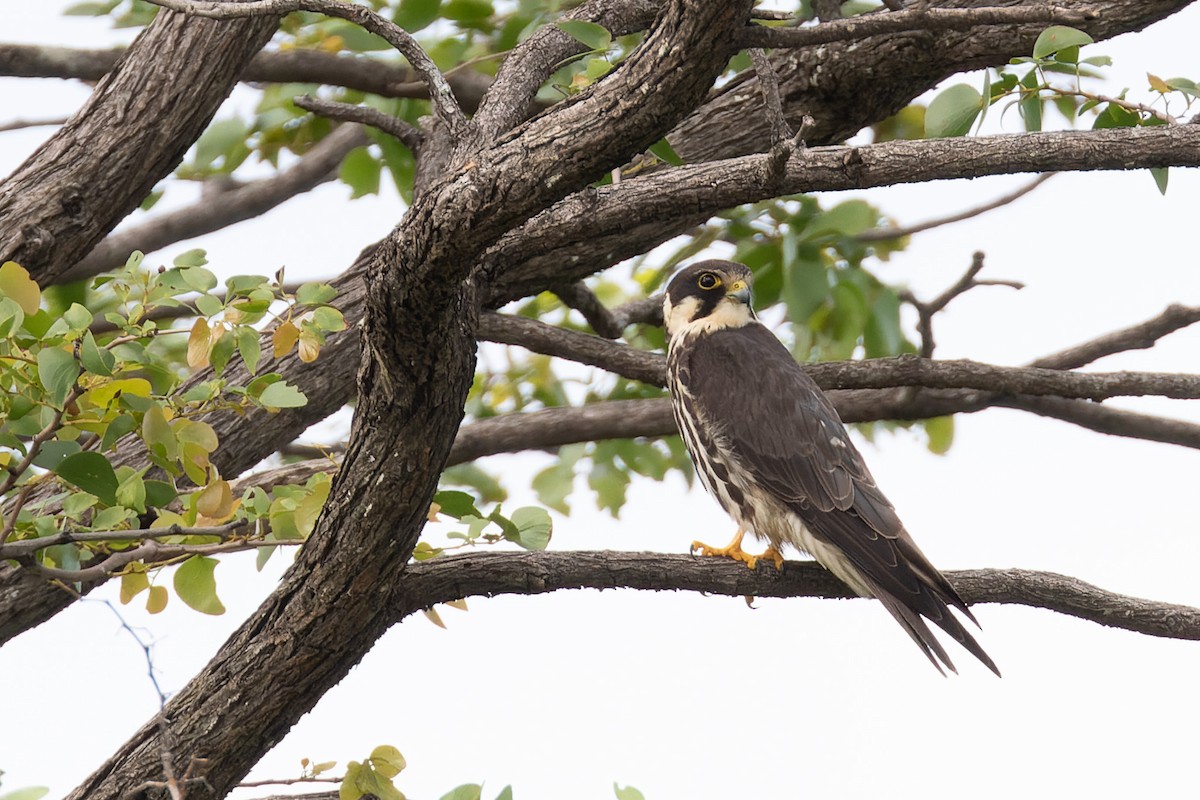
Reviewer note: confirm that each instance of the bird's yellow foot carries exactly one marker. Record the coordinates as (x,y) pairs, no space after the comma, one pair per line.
(734,550)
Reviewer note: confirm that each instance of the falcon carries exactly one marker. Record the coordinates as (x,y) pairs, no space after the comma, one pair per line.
(769,446)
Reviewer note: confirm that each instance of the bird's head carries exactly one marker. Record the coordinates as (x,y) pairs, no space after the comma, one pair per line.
(706,297)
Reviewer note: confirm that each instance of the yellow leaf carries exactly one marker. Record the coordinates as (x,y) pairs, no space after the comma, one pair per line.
(156,601)
(16,284)
(310,347)
(433,616)
(132,584)
(461,605)
(432,516)
(1156,83)
(215,500)
(157,431)
(199,344)
(284,338)
(388,761)
(103,395)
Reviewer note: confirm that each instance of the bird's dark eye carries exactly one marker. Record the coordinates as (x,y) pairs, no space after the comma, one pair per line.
(709,281)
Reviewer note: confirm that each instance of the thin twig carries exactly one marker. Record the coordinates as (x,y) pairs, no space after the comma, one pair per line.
(444,103)
(21,124)
(27,547)
(768,83)
(882,234)
(1142,336)
(934,19)
(927,311)
(347,112)
(1116,101)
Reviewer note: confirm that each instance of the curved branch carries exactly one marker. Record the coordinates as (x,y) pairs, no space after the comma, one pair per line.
(409,135)
(1141,336)
(489,574)
(444,103)
(241,203)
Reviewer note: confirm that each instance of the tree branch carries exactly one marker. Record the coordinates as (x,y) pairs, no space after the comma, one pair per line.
(934,19)
(365,115)
(561,243)
(363,73)
(884,234)
(489,574)
(444,103)
(243,202)
(1141,336)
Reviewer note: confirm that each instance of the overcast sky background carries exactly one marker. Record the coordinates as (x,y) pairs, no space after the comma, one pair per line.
(688,696)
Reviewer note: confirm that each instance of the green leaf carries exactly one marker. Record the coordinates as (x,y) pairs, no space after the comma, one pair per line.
(315,294)
(940,431)
(75,504)
(12,317)
(533,527)
(848,218)
(664,152)
(456,504)
(609,484)
(196,586)
(387,761)
(88,9)
(209,305)
(328,318)
(589,34)
(505,794)
(96,359)
(53,452)
(57,371)
(90,472)
(1057,37)
(159,494)
(953,112)
(1160,178)
(250,347)
(158,435)
(219,140)
(470,11)
(78,317)
(468,791)
(16,284)
(360,171)
(28,792)
(282,395)
(554,485)
(627,793)
(131,492)
(413,15)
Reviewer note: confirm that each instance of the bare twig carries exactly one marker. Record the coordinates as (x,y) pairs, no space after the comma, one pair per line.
(1116,101)
(881,234)
(1142,336)
(21,124)
(488,574)
(768,83)
(934,19)
(347,112)
(27,547)
(927,311)
(444,103)
(579,297)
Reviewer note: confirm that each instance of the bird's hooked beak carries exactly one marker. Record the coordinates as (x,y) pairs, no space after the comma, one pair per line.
(739,292)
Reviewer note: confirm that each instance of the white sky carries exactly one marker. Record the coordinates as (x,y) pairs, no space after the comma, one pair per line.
(689,696)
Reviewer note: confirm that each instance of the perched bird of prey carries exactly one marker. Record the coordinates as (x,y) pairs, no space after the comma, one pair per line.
(769,446)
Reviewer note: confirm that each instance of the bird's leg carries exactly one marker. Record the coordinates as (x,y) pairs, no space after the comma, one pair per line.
(734,550)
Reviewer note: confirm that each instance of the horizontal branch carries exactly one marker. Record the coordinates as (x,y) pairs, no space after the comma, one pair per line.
(27,547)
(365,115)
(489,574)
(243,202)
(877,373)
(363,73)
(621,216)
(930,19)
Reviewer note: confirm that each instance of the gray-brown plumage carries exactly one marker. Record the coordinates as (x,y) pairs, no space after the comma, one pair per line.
(770,447)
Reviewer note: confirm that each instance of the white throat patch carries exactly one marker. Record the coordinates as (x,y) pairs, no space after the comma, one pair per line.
(679,319)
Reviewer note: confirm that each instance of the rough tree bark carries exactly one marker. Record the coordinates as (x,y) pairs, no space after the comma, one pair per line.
(416,367)
(133,130)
